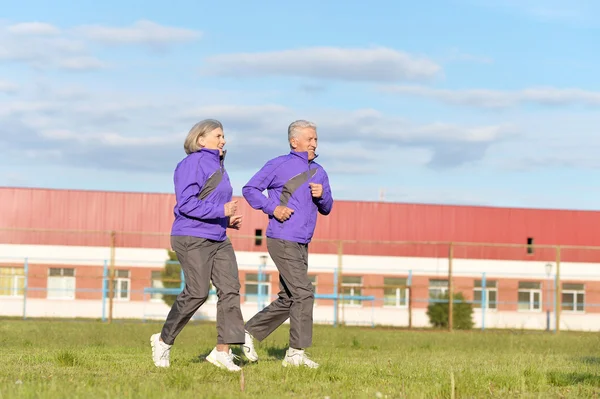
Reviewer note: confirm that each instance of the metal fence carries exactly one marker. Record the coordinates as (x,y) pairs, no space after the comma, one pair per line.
(114,275)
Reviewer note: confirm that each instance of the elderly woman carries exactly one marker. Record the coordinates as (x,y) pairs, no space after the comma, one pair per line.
(203,212)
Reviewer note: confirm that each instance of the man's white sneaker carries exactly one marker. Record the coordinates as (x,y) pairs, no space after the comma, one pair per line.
(248,348)
(160,351)
(223,360)
(296,358)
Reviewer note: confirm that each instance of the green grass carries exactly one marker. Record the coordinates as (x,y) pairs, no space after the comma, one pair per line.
(88,359)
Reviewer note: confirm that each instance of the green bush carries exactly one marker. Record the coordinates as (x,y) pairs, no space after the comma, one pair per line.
(462,312)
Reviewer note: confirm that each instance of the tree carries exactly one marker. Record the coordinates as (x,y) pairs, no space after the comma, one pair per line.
(171,277)
(462,312)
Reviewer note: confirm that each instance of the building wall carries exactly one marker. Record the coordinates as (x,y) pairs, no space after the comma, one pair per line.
(89,269)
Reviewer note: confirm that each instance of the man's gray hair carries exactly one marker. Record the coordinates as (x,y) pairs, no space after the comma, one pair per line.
(297,125)
(200,129)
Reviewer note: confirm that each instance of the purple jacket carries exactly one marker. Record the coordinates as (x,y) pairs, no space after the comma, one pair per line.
(202,188)
(286,180)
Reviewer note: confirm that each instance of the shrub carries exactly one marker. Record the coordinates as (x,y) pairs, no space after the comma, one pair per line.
(462,312)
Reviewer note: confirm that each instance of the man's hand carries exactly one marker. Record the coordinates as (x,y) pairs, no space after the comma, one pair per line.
(230,208)
(235,222)
(316,190)
(282,213)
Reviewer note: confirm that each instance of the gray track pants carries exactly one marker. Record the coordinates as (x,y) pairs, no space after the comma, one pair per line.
(295,299)
(203,260)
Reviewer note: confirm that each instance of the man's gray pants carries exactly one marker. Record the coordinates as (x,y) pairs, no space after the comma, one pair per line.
(203,260)
(295,299)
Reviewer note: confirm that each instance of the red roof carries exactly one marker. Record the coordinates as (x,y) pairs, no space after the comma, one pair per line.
(350,220)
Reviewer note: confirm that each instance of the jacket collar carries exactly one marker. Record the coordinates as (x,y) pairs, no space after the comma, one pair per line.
(213,152)
(303,155)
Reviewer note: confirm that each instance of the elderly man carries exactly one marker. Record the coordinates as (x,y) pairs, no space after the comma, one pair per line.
(298,188)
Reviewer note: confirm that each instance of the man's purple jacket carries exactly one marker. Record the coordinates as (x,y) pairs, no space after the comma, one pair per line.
(286,179)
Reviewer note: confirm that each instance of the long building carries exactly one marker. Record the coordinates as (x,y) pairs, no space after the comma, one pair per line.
(517,266)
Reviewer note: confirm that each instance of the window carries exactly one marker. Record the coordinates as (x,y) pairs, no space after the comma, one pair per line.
(258,237)
(12,281)
(438,288)
(157,283)
(530,295)
(573,297)
(491,295)
(395,293)
(529,245)
(122,284)
(253,285)
(351,286)
(61,283)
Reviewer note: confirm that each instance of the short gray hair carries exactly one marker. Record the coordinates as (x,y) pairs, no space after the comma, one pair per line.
(200,129)
(297,125)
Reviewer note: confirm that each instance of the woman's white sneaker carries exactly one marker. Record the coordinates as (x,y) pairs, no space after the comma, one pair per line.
(223,360)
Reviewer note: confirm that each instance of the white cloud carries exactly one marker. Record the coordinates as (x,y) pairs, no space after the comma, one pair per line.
(8,87)
(34,29)
(84,63)
(485,98)
(41,47)
(125,130)
(143,32)
(350,64)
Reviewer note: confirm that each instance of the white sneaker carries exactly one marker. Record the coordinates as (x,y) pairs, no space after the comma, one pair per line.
(248,348)
(297,357)
(223,360)
(160,351)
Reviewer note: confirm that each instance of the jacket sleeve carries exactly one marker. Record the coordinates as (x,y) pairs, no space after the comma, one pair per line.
(189,179)
(325,203)
(261,181)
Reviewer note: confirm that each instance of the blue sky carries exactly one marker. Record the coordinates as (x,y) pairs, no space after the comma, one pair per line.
(487,102)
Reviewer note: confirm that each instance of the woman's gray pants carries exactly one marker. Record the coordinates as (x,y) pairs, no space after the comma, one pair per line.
(203,260)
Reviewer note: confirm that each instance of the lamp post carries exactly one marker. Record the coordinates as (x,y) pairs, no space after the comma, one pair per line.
(548,272)
(261,273)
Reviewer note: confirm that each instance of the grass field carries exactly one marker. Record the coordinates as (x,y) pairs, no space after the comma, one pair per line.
(87,359)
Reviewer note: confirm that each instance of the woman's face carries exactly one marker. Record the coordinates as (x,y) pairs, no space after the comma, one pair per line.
(214,140)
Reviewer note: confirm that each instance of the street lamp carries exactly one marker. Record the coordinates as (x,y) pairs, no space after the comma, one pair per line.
(548,272)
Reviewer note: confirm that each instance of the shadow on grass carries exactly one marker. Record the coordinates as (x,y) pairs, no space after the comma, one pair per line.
(562,379)
(590,360)
(276,353)
(201,358)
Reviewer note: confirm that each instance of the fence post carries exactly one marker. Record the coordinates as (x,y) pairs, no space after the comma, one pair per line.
(111,281)
(335,298)
(558,306)
(261,278)
(104,288)
(25,286)
(409,286)
(483,301)
(339,278)
(450,286)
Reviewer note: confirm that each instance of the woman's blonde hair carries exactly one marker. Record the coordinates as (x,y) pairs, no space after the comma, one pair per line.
(200,129)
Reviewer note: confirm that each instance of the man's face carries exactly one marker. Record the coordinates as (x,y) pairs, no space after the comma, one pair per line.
(305,141)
